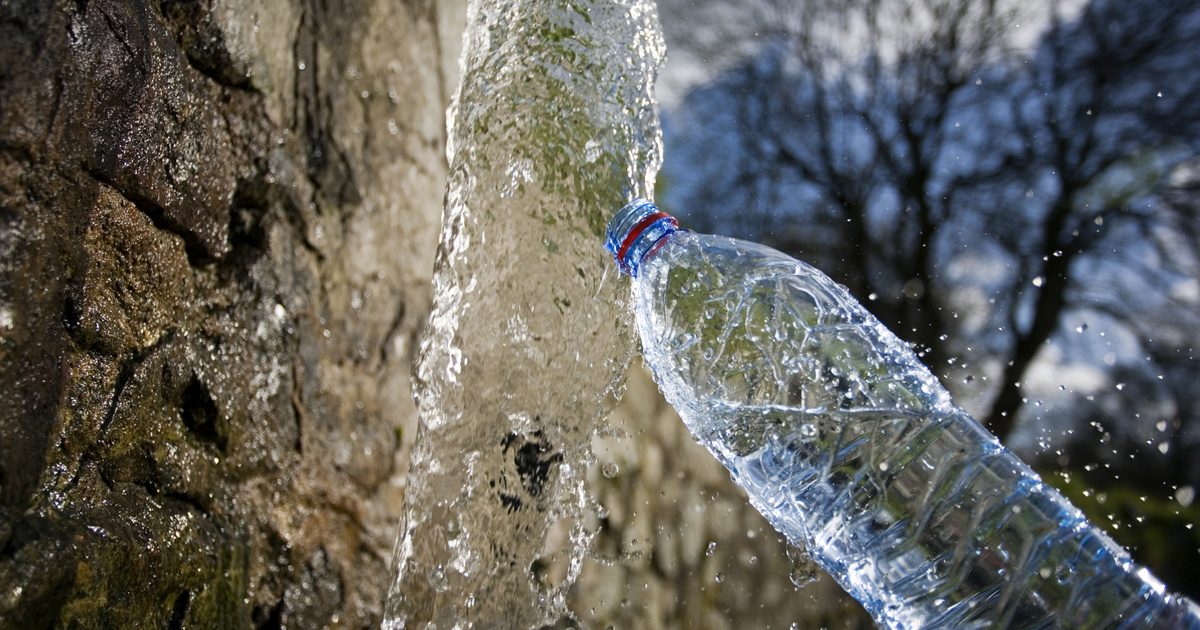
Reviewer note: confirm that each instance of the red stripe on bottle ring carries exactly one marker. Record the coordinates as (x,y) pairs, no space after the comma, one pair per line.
(637,230)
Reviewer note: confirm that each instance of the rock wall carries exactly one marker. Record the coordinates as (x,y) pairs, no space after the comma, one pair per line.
(217,222)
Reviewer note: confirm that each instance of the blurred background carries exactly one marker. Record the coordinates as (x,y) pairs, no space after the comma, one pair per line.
(217,232)
(1012,187)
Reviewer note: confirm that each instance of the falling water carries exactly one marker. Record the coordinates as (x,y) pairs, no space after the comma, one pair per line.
(553,126)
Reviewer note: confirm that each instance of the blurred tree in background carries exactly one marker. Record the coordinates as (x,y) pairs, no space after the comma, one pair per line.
(1010,186)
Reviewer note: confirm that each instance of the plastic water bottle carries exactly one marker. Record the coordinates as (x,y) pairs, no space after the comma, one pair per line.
(853,450)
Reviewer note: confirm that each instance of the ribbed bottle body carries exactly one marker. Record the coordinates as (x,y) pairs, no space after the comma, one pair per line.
(852,449)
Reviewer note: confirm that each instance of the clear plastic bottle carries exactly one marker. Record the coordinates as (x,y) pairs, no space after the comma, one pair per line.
(853,450)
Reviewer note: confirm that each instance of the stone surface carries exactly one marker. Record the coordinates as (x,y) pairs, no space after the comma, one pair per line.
(217,223)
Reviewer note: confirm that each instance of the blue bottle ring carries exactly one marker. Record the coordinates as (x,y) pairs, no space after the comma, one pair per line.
(635,231)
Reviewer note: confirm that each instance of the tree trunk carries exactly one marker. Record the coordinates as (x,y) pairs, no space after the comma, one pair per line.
(217,222)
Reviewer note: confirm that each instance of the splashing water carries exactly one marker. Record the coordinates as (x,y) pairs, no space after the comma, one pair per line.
(554,124)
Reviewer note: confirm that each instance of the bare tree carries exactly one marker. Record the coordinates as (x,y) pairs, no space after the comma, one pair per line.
(923,156)
(1022,209)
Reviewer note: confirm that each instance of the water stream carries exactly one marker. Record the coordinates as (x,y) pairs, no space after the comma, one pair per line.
(554,125)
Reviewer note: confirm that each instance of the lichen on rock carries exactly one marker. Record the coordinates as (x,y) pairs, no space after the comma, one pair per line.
(217,223)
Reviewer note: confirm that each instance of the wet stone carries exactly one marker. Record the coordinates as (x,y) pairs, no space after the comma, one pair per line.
(135,284)
(149,124)
(197,431)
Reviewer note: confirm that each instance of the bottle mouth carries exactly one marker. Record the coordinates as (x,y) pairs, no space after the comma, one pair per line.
(634,231)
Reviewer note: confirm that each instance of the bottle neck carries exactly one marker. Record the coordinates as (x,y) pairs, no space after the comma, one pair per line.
(635,231)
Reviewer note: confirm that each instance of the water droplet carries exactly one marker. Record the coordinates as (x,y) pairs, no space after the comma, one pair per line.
(437,578)
(718,578)
(610,470)
(1063,573)
(710,549)
(1039,281)
(802,575)
(938,569)
(808,432)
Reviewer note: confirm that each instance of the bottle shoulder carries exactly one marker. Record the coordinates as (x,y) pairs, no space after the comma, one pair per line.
(729,256)
(693,269)
(737,324)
